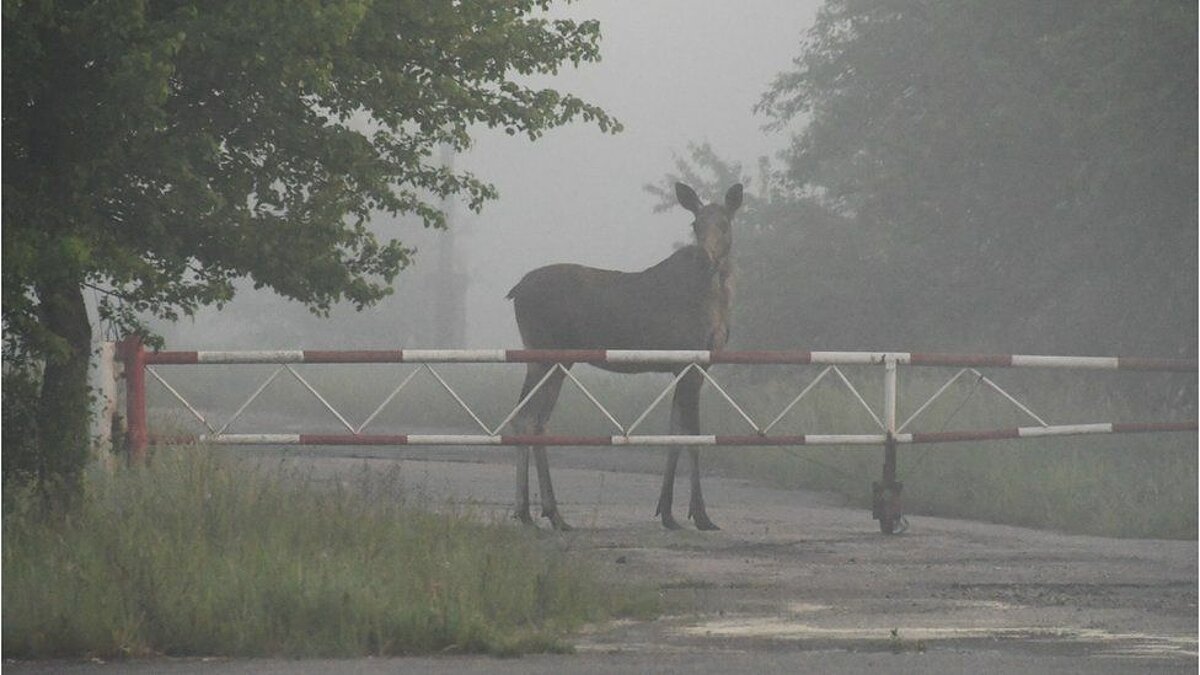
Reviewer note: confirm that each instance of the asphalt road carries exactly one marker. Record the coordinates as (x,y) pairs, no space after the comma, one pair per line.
(797,582)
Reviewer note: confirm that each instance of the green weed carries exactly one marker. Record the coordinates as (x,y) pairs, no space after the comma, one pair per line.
(197,555)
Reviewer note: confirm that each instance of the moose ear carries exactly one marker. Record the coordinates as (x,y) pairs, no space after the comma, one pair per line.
(687,198)
(733,198)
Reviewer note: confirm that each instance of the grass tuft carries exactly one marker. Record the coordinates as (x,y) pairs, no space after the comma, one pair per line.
(197,555)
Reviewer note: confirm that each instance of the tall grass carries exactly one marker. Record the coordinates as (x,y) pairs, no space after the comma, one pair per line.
(1089,485)
(196,555)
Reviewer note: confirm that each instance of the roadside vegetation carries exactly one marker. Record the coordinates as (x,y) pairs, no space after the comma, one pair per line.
(1114,487)
(1134,485)
(198,555)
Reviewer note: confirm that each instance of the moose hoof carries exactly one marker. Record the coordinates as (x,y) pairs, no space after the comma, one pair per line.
(700,517)
(523,516)
(669,522)
(557,522)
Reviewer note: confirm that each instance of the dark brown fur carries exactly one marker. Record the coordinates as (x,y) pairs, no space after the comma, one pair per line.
(682,302)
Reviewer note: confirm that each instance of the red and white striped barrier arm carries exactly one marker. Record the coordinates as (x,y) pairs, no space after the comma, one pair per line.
(137,359)
(917,438)
(702,357)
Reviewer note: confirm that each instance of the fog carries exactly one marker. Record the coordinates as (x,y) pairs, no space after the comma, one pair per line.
(673,72)
(945,177)
(967,245)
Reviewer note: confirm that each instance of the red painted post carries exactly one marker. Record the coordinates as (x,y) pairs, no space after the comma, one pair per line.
(134,356)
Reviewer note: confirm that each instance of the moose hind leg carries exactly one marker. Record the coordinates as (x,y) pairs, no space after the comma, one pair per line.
(523,424)
(543,405)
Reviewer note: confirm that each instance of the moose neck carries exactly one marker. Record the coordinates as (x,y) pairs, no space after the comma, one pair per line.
(719,299)
(720,262)
(722,266)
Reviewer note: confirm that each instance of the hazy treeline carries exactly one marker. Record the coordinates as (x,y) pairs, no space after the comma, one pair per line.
(976,175)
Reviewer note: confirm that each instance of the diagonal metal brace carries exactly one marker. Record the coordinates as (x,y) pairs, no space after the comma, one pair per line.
(250,400)
(858,396)
(802,394)
(658,399)
(386,401)
(462,404)
(595,402)
(526,399)
(1010,397)
(181,399)
(731,402)
(320,398)
(933,398)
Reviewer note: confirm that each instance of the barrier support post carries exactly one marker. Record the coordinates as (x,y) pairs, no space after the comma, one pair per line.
(886,492)
(134,356)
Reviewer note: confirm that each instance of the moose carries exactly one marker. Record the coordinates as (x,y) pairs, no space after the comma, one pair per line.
(683,302)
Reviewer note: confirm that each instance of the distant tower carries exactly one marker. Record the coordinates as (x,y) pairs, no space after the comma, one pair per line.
(448,279)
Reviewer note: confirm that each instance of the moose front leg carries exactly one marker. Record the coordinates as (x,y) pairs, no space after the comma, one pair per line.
(685,419)
(667,496)
(696,506)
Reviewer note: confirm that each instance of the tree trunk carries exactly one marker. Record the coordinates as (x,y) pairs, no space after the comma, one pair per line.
(64,406)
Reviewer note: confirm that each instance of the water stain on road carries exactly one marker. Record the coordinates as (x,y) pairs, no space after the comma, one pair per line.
(918,637)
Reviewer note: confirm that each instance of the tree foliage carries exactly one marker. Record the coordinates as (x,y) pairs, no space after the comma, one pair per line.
(160,150)
(1020,175)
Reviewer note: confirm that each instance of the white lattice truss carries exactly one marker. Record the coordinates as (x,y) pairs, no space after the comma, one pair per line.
(625,434)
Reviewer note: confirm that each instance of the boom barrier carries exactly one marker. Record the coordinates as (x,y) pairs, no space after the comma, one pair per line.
(889,433)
